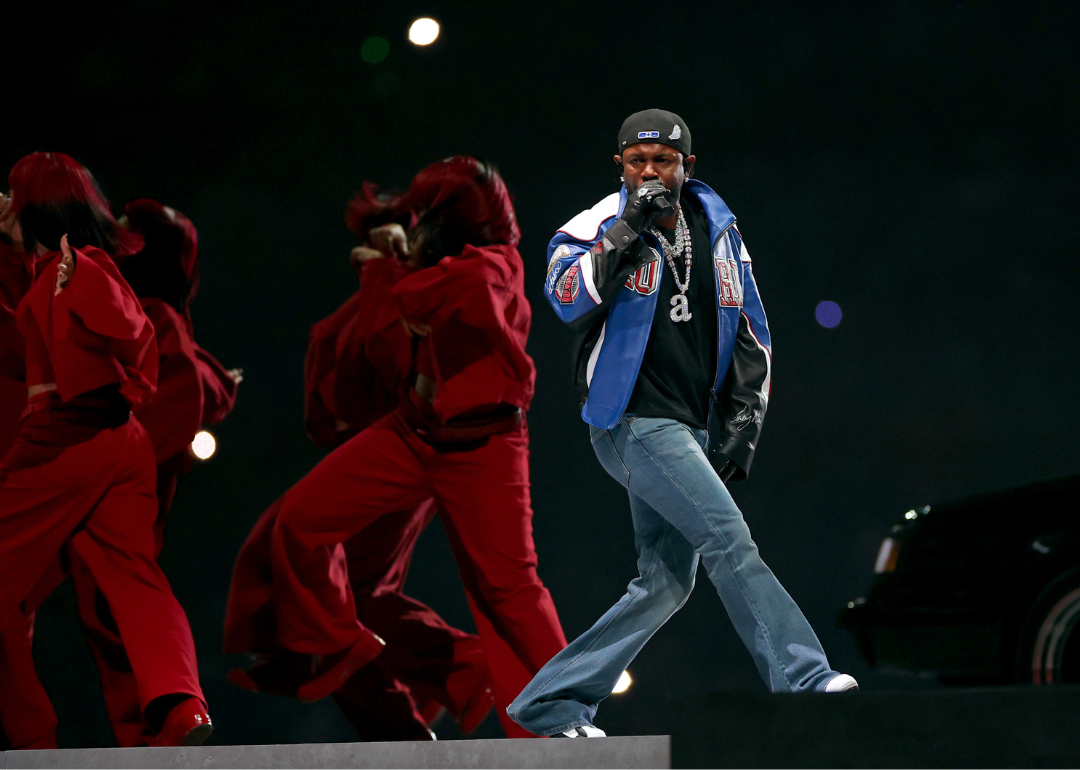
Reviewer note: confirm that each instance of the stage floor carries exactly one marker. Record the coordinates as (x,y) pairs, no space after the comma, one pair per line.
(643,752)
(953,728)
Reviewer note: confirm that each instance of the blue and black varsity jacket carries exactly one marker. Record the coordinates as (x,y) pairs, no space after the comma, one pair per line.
(613,303)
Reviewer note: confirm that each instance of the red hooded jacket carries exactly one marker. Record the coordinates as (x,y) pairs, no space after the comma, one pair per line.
(357,359)
(475,304)
(95,331)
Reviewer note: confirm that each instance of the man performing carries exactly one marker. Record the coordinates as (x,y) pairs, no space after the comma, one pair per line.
(458,435)
(673,354)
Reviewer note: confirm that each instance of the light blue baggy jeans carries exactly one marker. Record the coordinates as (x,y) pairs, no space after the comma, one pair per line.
(682,512)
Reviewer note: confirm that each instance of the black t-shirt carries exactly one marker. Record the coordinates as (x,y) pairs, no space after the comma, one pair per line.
(679,368)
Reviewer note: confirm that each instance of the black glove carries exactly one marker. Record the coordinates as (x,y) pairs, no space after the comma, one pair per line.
(643,205)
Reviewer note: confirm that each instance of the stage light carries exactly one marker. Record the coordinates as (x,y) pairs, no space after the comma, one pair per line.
(374,50)
(828,314)
(203,445)
(623,684)
(423,31)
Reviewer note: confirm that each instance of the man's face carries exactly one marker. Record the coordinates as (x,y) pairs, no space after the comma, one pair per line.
(643,162)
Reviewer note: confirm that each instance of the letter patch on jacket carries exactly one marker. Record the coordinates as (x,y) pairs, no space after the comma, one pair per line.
(569,285)
(647,278)
(728,282)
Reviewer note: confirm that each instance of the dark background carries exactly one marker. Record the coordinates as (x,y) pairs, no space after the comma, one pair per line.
(913,162)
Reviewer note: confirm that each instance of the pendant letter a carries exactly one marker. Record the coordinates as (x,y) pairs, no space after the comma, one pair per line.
(680,308)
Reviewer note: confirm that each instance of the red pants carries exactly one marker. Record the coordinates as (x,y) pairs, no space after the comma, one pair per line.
(27,707)
(27,719)
(92,488)
(118,684)
(483,496)
(426,658)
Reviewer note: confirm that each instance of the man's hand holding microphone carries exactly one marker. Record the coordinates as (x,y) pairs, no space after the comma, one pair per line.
(644,205)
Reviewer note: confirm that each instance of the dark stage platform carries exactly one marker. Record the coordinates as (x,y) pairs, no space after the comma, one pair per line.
(955,728)
(970,727)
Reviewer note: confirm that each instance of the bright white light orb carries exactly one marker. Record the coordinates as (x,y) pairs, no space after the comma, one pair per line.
(624,683)
(203,445)
(423,31)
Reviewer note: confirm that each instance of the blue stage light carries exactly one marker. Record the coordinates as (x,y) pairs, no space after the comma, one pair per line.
(828,314)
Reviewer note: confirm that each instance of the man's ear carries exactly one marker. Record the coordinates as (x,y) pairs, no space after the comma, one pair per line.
(688,166)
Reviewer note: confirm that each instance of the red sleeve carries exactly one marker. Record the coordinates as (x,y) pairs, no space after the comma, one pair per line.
(174,414)
(471,286)
(379,281)
(378,331)
(355,358)
(102,301)
(368,372)
(320,368)
(219,389)
(476,303)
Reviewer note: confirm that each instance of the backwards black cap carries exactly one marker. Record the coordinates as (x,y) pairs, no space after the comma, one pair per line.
(659,126)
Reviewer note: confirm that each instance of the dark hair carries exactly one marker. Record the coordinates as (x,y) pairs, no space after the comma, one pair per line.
(53,195)
(167,266)
(369,208)
(462,201)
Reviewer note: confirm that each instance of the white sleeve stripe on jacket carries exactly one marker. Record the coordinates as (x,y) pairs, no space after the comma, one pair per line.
(586,262)
(594,355)
(766,384)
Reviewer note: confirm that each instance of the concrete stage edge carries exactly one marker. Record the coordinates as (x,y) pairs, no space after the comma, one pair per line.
(650,751)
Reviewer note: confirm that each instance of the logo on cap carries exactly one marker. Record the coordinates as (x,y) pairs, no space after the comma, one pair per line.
(648,134)
(675,132)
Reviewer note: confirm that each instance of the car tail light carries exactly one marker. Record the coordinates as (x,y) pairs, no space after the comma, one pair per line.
(887,556)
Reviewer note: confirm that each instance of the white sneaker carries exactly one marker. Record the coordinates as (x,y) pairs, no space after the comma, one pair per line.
(842,683)
(585,731)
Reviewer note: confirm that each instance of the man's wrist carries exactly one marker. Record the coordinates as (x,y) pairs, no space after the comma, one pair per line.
(621,235)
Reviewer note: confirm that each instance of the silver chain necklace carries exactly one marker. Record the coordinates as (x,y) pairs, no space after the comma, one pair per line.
(680,306)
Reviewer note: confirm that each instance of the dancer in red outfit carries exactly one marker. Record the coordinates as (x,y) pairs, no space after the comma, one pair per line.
(27,719)
(426,659)
(81,473)
(193,390)
(458,436)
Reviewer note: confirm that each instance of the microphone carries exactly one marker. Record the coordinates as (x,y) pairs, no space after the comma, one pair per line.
(665,207)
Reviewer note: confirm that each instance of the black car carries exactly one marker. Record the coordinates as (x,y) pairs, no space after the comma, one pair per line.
(980,590)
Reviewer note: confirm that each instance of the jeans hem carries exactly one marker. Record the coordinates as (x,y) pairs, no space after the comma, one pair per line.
(563,729)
